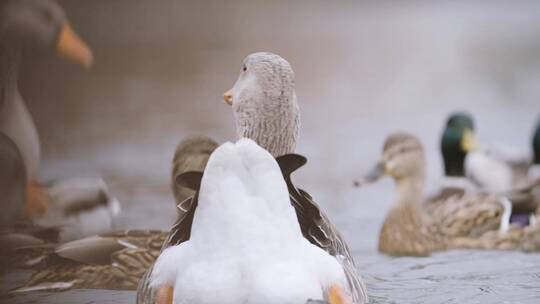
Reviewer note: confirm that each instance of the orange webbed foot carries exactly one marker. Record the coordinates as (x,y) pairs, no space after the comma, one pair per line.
(164,295)
(37,200)
(336,295)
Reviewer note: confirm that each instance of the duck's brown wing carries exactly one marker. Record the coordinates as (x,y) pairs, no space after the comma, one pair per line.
(318,229)
(468,215)
(115,260)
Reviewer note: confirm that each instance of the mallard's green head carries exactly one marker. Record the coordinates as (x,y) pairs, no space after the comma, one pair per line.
(536,144)
(460,120)
(456,141)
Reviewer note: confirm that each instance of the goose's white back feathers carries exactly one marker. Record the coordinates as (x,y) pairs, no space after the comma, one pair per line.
(246,245)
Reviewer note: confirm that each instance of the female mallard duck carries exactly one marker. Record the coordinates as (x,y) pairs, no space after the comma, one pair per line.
(41,24)
(191,155)
(115,260)
(246,233)
(265,108)
(461,220)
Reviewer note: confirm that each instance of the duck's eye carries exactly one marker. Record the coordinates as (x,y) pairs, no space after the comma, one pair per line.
(244,68)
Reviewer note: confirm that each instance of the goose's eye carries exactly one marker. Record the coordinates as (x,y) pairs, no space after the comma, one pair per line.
(244,68)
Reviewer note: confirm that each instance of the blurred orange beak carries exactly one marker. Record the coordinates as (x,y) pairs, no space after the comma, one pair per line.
(228,97)
(72,48)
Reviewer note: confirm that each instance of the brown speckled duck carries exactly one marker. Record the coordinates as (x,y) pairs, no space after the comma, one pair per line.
(115,260)
(459,220)
(191,155)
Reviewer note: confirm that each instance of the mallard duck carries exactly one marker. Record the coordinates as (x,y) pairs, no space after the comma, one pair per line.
(485,168)
(461,220)
(265,109)
(114,260)
(534,171)
(43,25)
(12,181)
(190,155)
(246,233)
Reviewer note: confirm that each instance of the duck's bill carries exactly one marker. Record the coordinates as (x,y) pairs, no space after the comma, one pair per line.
(164,295)
(72,48)
(372,176)
(228,97)
(468,142)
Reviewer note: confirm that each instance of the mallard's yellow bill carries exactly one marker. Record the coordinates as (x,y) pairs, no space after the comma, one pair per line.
(72,48)
(468,142)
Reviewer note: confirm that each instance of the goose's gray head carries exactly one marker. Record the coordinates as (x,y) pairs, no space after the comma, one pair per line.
(264,103)
(41,24)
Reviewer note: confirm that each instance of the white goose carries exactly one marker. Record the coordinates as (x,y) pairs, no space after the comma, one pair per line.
(265,108)
(246,245)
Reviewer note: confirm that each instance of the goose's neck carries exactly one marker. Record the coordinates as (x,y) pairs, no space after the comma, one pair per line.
(15,120)
(276,131)
(9,71)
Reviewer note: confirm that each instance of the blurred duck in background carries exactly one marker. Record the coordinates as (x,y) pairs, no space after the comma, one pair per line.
(534,172)
(77,207)
(191,155)
(415,226)
(266,111)
(114,260)
(476,167)
(488,169)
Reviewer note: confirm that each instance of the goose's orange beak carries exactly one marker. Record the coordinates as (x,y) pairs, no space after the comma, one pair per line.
(164,295)
(72,48)
(336,295)
(228,97)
